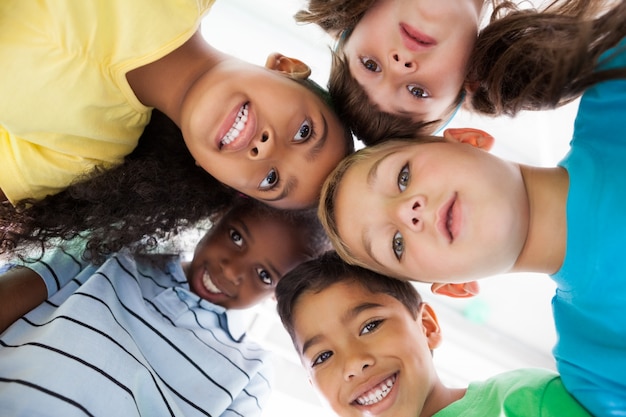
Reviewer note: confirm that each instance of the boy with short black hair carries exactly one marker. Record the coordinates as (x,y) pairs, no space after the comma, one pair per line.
(366,342)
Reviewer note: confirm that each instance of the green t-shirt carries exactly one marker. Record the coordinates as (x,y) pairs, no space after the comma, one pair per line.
(519,393)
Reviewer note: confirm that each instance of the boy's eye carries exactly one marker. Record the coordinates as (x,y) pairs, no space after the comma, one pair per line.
(370,64)
(235,236)
(270,181)
(322,357)
(304,132)
(403,178)
(398,245)
(417,91)
(371,326)
(264,276)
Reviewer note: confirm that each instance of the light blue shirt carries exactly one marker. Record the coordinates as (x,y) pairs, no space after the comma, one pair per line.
(124,339)
(590,303)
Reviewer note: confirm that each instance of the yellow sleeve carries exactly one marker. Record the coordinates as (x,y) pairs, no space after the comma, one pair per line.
(28,170)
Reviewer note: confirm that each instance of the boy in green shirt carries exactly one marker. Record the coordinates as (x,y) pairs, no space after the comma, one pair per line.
(366,342)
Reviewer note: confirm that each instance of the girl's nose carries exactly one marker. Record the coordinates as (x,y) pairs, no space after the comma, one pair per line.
(262,147)
(233,272)
(402,63)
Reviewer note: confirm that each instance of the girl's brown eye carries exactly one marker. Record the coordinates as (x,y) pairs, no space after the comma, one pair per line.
(417,92)
(370,64)
(304,132)
(269,181)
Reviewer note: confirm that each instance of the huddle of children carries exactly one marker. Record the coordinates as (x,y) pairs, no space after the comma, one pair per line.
(439,209)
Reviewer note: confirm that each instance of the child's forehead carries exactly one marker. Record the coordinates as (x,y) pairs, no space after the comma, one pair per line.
(351,291)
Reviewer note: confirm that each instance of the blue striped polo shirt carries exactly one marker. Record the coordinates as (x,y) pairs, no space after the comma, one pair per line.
(127,338)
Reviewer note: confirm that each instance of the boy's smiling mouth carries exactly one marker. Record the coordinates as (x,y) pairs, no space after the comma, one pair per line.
(234,137)
(377,393)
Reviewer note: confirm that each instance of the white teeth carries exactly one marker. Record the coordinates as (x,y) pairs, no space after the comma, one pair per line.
(237,127)
(378,393)
(208,284)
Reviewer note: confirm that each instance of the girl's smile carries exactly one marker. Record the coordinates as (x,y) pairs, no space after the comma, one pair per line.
(238,126)
(262,133)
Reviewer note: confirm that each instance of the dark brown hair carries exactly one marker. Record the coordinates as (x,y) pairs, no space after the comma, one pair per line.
(155,193)
(529,60)
(316,275)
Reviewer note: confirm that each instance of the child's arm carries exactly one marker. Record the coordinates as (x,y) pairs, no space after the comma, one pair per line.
(26,284)
(21,290)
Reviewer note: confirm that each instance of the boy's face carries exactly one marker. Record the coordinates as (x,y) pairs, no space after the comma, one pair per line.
(410,56)
(241,259)
(261,133)
(365,353)
(433,212)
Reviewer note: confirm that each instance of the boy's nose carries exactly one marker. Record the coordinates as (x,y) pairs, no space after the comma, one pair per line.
(409,212)
(262,147)
(356,364)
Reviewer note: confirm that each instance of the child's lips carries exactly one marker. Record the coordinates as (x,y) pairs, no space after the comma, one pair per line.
(377,396)
(237,129)
(415,40)
(449,218)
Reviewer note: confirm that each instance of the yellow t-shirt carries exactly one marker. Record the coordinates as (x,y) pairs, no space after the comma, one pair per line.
(65,104)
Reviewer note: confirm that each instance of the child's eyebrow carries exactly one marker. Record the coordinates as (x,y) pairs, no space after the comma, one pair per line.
(291,183)
(319,144)
(366,240)
(372,174)
(348,316)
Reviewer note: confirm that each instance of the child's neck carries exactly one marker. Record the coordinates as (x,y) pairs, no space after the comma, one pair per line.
(163,83)
(544,249)
(441,397)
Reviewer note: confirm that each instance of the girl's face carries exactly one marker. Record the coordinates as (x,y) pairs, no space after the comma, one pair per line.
(365,353)
(410,56)
(241,259)
(433,212)
(261,133)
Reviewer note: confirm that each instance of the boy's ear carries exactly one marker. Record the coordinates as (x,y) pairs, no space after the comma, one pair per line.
(291,67)
(471,136)
(431,326)
(462,290)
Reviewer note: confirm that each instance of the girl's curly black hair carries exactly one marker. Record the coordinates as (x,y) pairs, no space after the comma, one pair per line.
(156,192)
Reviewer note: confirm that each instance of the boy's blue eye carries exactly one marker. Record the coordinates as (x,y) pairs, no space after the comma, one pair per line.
(304,132)
(417,91)
(236,237)
(398,245)
(371,326)
(370,65)
(264,276)
(403,177)
(322,357)
(270,181)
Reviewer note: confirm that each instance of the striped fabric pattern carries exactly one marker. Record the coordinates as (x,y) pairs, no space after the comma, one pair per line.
(127,339)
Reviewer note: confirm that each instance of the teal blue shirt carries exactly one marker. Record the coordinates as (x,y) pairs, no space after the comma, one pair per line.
(590,302)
